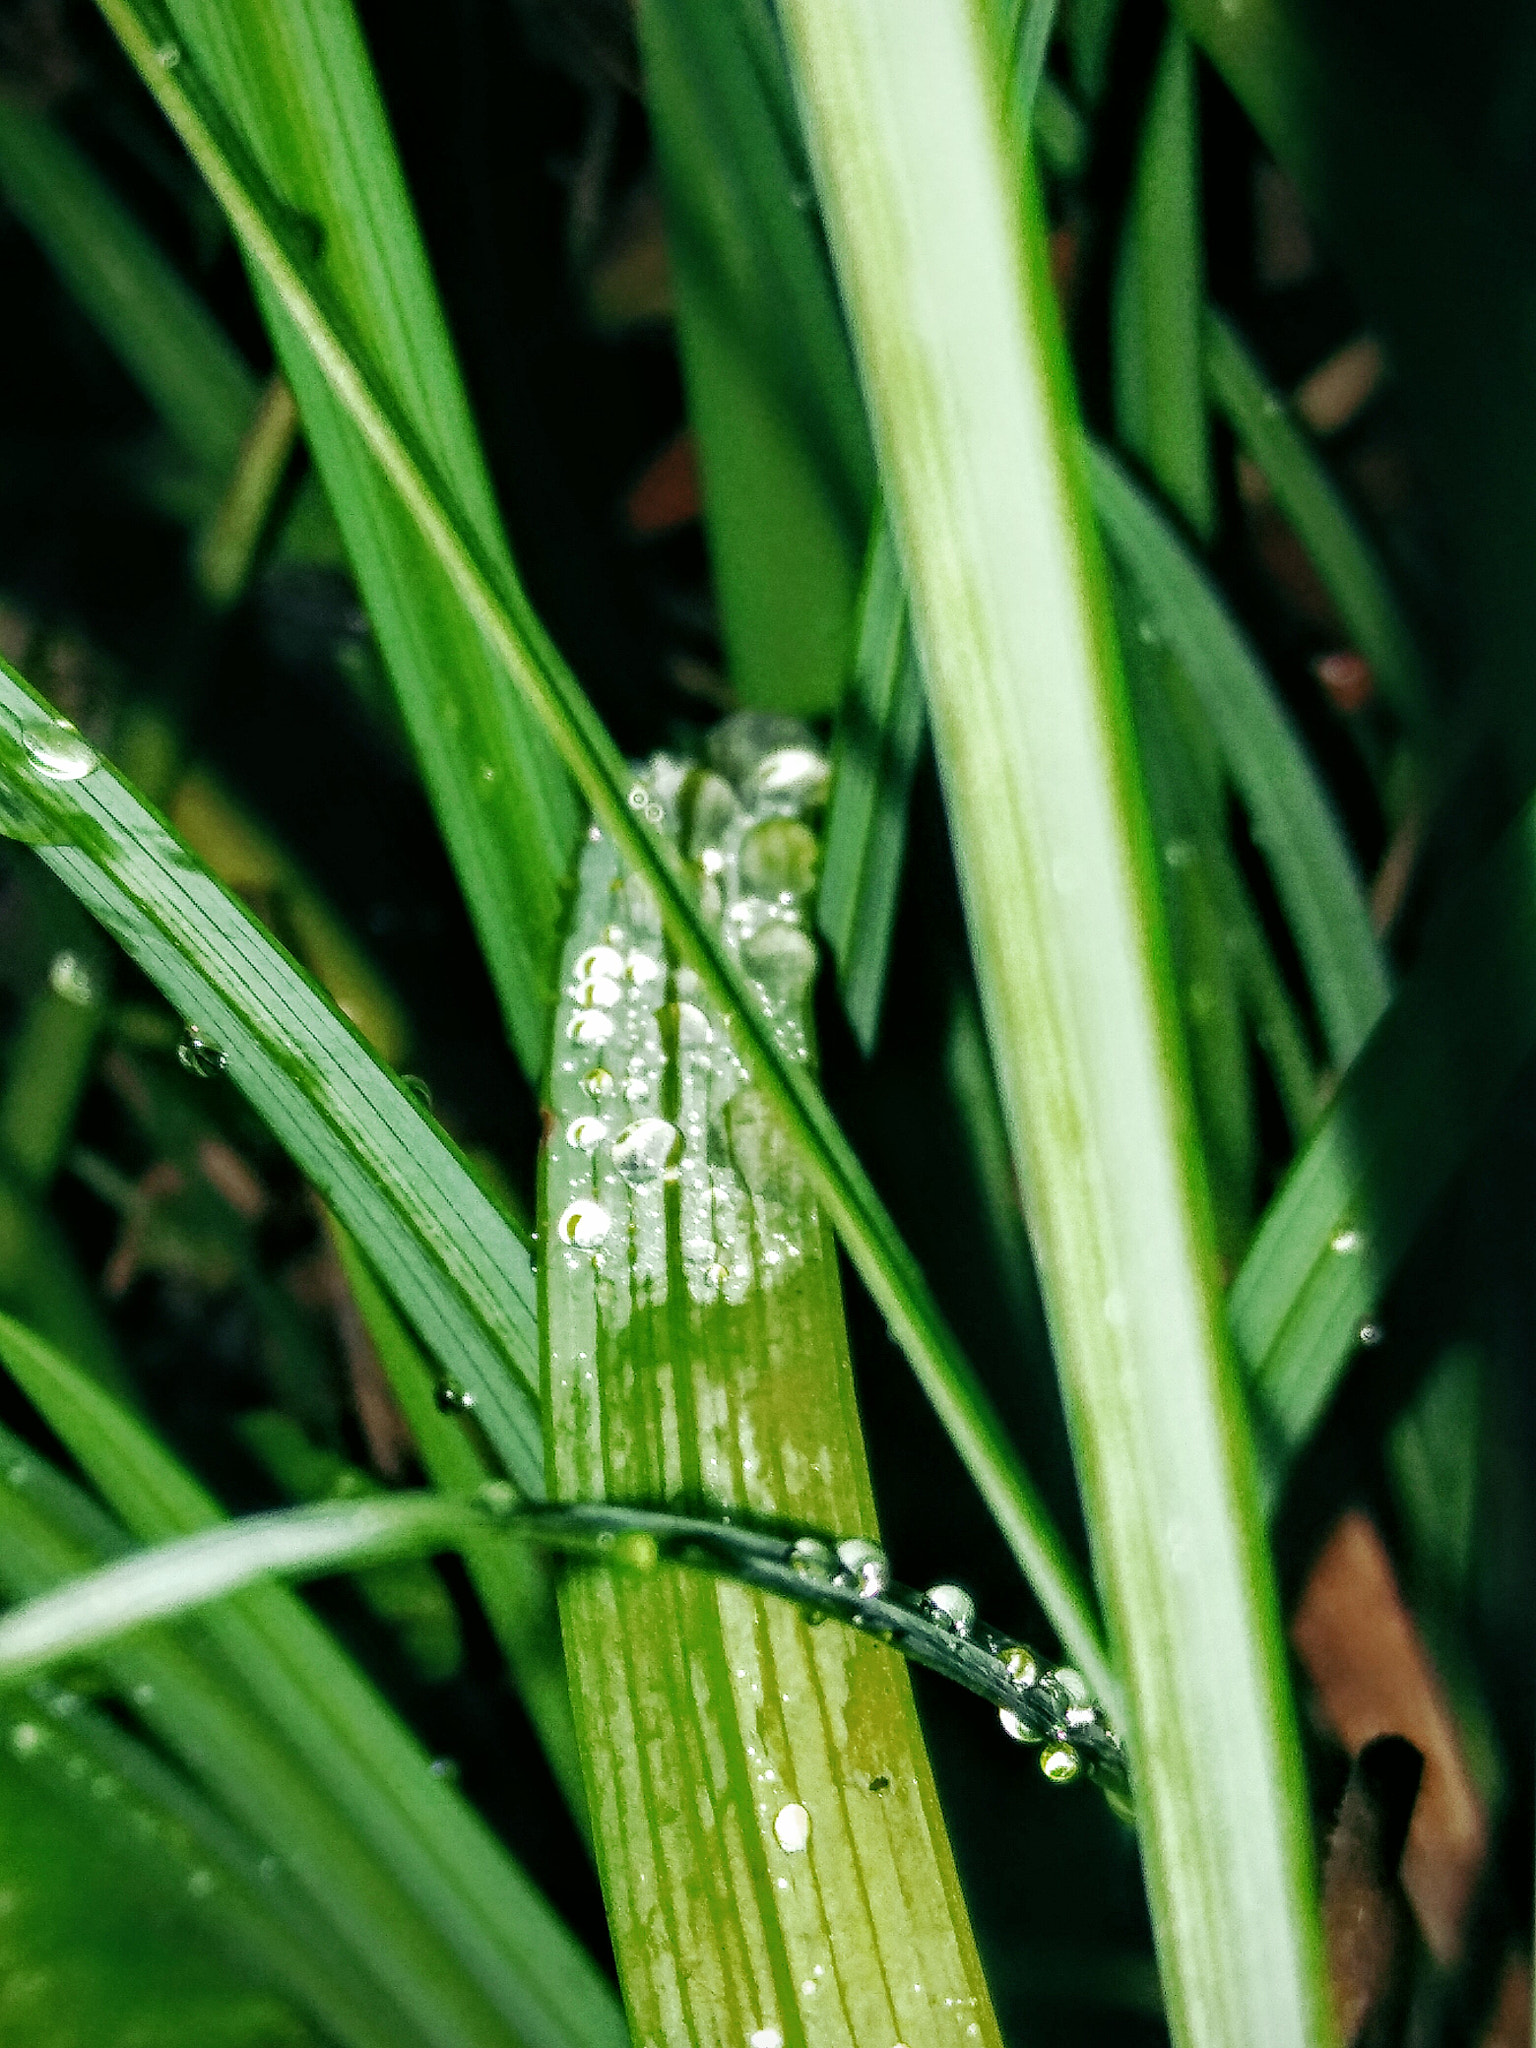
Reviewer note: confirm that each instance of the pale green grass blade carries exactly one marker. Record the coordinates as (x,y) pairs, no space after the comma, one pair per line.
(512,1956)
(1159,297)
(783,449)
(513,1584)
(186,366)
(461,1274)
(499,608)
(954,321)
(289,1543)
(1292,820)
(1405,1117)
(1028,26)
(295,79)
(1324,522)
(390,1973)
(696,1354)
(874,757)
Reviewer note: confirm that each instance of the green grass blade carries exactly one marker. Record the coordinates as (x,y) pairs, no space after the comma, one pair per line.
(160,1584)
(696,1356)
(1160,407)
(874,757)
(772,398)
(492,598)
(1324,522)
(1404,1118)
(512,1956)
(513,1584)
(1027,31)
(191,373)
(295,79)
(461,1274)
(1292,820)
(955,324)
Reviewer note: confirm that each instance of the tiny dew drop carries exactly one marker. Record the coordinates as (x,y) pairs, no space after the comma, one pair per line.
(198,1054)
(586,1133)
(798,777)
(57,751)
(453,1399)
(598,1084)
(765,2037)
(813,1559)
(792,1826)
(584,1224)
(445,1768)
(1346,1241)
(643,1151)
(1371,1334)
(782,960)
(1060,1762)
(72,980)
(167,56)
(418,1090)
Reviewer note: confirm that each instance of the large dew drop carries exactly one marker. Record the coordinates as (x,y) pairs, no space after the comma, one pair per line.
(585,1225)
(796,777)
(778,858)
(586,1133)
(57,750)
(792,1826)
(590,1027)
(643,1151)
(781,959)
(605,961)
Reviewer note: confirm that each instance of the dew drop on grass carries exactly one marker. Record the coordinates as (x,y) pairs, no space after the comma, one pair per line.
(198,1054)
(1371,1334)
(778,858)
(1014,1728)
(1346,1241)
(72,980)
(1022,1665)
(586,1133)
(590,1027)
(453,1399)
(782,959)
(26,1737)
(418,1091)
(866,1564)
(57,751)
(766,2037)
(598,1084)
(796,777)
(643,1151)
(792,1827)
(606,961)
(642,969)
(600,990)
(813,1559)
(953,1606)
(1060,1762)
(584,1224)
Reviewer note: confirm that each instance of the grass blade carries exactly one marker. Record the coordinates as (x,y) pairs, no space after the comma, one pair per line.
(160,1584)
(176,352)
(1327,528)
(510,1955)
(502,803)
(1292,820)
(696,1354)
(501,612)
(874,758)
(962,361)
(772,397)
(461,1274)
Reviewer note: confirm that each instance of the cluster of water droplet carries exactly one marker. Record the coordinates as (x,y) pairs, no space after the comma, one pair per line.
(651,1100)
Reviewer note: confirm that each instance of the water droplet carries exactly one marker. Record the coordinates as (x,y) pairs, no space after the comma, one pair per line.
(689,1025)
(57,750)
(953,1606)
(600,990)
(589,1027)
(167,56)
(813,1559)
(499,1499)
(782,958)
(418,1091)
(1015,1729)
(655,812)
(637,797)
(1371,1334)
(713,813)
(1060,1762)
(766,2037)
(1085,1716)
(200,1883)
(1021,1665)
(453,1399)
(867,1565)
(26,1737)
(143,1694)
(488,775)
(585,1225)
(598,1084)
(638,1550)
(1073,1684)
(198,1054)
(798,777)
(636,1088)
(792,1826)
(779,858)
(643,970)
(587,1133)
(1346,1241)
(445,1768)
(643,1151)
(71,979)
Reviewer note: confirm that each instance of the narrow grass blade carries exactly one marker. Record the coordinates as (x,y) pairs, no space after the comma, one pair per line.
(954,321)
(1404,1118)
(1160,407)
(772,398)
(696,1356)
(1326,526)
(1292,820)
(460,1273)
(295,79)
(1028,26)
(188,369)
(513,1584)
(874,757)
(502,613)
(509,1961)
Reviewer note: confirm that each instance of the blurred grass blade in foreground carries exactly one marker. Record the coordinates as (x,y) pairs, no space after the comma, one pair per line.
(963,363)
(696,1357)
